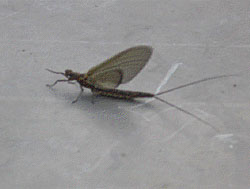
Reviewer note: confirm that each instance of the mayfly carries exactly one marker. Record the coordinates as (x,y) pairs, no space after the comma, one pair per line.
(104,78)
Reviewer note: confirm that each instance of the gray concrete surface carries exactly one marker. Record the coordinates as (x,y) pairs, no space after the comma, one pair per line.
(46,142)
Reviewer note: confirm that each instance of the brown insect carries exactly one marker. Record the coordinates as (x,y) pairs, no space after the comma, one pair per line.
(104,78)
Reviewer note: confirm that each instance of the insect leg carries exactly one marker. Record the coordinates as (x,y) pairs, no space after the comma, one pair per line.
(55,72)
(79,95)
(60,80)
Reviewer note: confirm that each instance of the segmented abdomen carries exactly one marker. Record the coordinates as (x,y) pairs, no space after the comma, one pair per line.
(122,94)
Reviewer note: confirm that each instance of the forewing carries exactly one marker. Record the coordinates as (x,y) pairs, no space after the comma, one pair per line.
(129,62)
(106,79)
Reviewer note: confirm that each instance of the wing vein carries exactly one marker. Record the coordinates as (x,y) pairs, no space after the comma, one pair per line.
(130,62)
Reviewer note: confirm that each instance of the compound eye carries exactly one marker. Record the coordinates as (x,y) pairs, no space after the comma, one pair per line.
(68,73)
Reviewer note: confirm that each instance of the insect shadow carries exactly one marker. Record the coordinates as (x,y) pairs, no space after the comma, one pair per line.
(112,115)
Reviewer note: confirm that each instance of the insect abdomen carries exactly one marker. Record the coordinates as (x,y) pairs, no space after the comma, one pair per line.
(122,94)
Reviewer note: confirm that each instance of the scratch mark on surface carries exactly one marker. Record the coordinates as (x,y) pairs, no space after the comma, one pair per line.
(170,72)
(224,136)
(227,138)
(174,134)
(135,112)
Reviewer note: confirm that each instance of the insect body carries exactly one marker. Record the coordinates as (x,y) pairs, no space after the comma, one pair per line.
(104,78)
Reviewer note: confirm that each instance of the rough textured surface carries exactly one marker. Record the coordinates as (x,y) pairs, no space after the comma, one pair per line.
(46,142)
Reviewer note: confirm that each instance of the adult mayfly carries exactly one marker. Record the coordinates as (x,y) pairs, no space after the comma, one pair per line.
(104,78)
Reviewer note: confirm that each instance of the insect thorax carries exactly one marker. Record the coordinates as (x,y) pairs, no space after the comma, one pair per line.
(83,80)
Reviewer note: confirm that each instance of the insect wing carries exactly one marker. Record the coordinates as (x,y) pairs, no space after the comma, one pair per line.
(106,79)
(128,63)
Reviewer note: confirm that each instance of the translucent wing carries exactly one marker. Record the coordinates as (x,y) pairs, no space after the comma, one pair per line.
(106,79)
(127,63)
